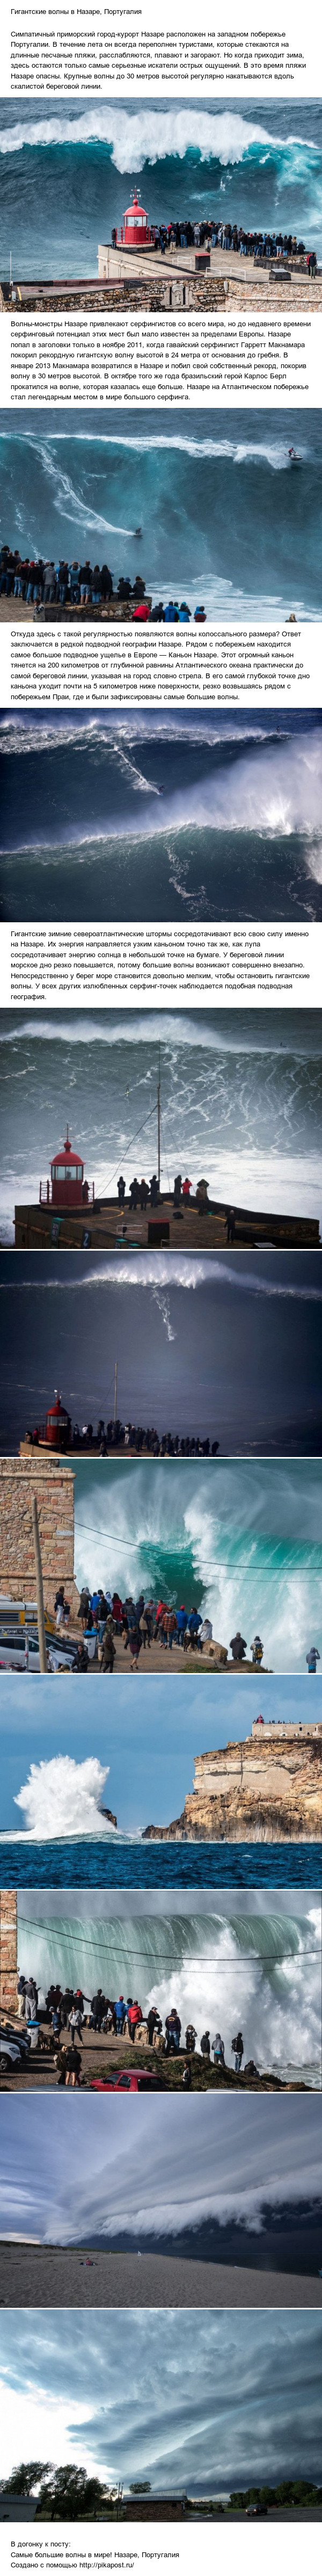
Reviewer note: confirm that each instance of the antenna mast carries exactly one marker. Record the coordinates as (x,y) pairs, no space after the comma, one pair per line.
(158,1108)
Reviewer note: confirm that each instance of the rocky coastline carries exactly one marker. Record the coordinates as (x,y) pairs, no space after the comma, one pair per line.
(253,1790)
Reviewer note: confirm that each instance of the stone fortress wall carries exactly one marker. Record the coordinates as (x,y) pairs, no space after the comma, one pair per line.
(54,1486)
(8,1949)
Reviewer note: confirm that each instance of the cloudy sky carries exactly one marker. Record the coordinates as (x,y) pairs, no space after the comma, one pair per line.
(149,1770)
(134,2393)
(117,2167)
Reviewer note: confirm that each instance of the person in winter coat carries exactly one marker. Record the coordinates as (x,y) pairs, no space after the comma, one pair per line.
(66,2004)
(153,2023)
(238,2046)
(56,2020)
(30,1999)
(107,1649)
(120,2015)
(75,2023)
(182,1616)
(73,2066)
(205,2044)
(97,2009)
(134,2016)
(173,2032)
(186,2076)
(171,1629)
(191,2036)
(218,2050)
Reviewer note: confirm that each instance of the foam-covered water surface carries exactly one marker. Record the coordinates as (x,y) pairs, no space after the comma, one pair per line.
(225,518)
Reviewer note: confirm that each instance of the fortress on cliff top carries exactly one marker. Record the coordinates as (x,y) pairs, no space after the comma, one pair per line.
(270,1785)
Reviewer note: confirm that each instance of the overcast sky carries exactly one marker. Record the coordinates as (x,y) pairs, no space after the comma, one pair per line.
(134,2393)
(151,1765)
(118,2166)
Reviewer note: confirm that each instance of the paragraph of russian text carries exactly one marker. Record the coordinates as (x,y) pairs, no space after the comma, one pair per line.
(159,358)
(188,964)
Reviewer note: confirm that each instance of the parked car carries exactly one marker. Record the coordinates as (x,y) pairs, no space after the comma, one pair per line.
(256,2512)
(17,2039)
(139,2082)
(19,1650)
(10,2055)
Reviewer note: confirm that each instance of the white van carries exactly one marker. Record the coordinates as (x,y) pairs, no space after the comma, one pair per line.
(19,1649)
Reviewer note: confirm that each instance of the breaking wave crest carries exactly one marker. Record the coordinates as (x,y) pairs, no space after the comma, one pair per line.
(63,1797)
(151,135)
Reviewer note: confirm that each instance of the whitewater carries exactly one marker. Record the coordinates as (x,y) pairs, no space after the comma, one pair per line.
(181,484)
(67,1793)
(151,135)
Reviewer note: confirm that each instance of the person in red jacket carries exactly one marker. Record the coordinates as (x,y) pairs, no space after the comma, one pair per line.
(134,2015)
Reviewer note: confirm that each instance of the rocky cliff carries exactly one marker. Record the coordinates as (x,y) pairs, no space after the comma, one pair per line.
(267,1788)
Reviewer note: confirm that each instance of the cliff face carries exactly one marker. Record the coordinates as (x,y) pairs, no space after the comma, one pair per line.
(250,1788)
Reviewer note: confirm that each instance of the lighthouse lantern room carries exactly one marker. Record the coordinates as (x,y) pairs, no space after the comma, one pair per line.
(135,232)
(67,1174)
(67,1186)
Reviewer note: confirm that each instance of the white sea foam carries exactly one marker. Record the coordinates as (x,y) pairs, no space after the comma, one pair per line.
(22,734)
(165,1271)
(175,1030)
(66,501)
(272,451)
(277,791)
(154,134)
(63,1797)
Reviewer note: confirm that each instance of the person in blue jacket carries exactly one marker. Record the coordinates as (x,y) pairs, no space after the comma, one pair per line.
(120,2012)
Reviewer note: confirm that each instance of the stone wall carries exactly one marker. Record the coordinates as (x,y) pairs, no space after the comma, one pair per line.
(54,1486)
(301,295)
(8,1949)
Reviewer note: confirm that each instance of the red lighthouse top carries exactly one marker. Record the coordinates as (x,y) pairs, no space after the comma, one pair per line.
(135,230)
(67,1173)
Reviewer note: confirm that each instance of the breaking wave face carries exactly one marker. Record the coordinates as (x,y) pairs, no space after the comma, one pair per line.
(149,135)
(63,1797)
(179,480)
(260,1973)
(249,1556)
(272,791)
(80,159)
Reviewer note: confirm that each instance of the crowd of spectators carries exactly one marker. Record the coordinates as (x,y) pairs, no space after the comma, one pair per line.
(220,234)
(43,584)
(119,2017)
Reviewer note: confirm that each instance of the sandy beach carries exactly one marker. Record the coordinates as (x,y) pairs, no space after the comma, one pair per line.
(39,2276)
